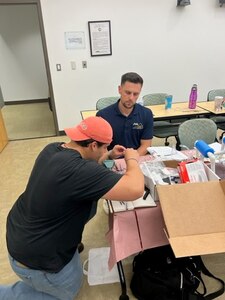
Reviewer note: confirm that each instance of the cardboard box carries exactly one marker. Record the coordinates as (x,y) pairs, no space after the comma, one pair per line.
(149,182)
(194,214)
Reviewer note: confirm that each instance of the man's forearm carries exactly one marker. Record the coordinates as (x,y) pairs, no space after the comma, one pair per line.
(105,157)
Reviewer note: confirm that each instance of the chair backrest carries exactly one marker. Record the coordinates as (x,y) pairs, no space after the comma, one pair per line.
(153,99)
(104,102)
(213,93)
(197,129)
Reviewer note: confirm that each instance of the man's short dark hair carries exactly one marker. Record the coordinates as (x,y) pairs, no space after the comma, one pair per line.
(85,143)
(131,77)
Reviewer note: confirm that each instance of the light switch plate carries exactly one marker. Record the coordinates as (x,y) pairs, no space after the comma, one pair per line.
(73,65)
(58,67)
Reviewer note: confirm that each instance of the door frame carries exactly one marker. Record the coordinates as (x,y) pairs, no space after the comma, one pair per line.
(44,46)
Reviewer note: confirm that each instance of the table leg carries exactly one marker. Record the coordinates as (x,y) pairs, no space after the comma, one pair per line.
(124,295)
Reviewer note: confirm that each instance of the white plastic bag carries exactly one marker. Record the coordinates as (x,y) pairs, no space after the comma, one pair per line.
(98,271)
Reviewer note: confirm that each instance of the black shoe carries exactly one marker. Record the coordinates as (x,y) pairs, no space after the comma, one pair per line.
(80,247)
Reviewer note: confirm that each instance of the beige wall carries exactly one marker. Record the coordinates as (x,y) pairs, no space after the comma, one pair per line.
(171,47)
(22,71)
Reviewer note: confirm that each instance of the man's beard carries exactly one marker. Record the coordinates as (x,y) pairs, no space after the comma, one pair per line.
(128,105)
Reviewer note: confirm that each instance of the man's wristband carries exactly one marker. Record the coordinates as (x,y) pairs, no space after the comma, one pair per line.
(132,158)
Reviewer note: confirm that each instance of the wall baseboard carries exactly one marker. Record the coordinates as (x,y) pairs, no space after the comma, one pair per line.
(27,101)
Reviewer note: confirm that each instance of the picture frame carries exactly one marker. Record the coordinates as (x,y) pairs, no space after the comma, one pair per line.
(100,38)
(74,40)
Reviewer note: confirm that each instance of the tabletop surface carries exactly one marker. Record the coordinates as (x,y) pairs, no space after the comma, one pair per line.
(210,106)
(178,109)
(88,113)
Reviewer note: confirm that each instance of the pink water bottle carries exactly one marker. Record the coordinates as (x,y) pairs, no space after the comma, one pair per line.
(193,97)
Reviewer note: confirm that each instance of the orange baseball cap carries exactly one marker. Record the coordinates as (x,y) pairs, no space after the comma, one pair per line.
(95,128)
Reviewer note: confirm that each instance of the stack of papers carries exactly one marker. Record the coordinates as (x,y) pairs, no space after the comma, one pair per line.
(166,153)
(117,206)
(195,171)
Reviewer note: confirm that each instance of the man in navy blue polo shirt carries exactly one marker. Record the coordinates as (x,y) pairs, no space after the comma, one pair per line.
(132,123)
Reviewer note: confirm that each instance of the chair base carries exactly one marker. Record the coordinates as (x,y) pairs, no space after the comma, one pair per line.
(221,136)
(166,143)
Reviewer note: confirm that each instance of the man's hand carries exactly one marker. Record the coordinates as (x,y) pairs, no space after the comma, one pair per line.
(117,151)
(131,154)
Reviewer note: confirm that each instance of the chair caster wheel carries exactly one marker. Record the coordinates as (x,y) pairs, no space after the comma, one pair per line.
(124,297)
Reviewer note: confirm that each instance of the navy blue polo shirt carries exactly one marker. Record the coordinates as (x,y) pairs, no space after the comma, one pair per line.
(128,131)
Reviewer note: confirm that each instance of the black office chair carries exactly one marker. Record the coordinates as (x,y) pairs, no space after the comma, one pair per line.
(219,120)
(162,129)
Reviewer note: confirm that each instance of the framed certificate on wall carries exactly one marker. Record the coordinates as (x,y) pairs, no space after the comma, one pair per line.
(100,38)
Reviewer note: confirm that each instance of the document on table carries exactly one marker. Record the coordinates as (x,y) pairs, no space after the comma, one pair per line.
(196,172)
(166,153)
(117,206)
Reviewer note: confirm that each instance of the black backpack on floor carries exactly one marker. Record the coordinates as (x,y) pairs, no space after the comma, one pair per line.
(158,275)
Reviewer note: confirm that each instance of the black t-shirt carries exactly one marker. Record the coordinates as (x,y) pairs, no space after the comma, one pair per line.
(46,222)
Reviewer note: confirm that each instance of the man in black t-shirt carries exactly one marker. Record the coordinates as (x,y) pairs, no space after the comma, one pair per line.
(45,225)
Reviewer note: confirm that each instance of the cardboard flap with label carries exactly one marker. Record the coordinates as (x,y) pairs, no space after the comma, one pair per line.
(194,214)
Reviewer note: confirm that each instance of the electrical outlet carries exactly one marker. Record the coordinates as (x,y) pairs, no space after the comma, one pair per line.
(84,64)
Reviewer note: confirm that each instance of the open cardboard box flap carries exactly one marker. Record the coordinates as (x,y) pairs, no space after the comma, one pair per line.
(194,214)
